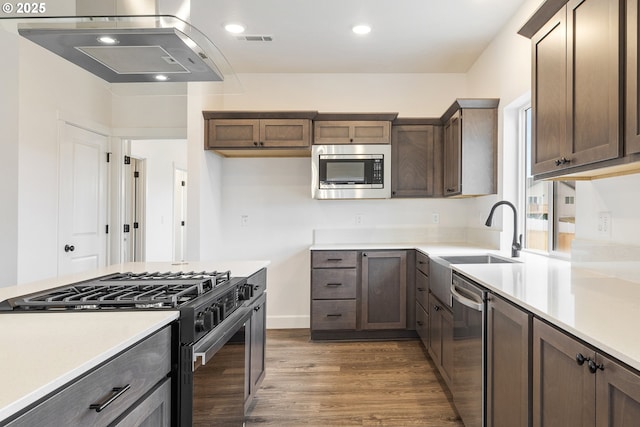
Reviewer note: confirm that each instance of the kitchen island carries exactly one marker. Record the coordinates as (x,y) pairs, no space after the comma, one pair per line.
(44,351)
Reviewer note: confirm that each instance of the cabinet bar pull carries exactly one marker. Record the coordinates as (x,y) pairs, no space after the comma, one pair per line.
(334,259)
(334,284)
(421,289)
(115,393)
(334,315)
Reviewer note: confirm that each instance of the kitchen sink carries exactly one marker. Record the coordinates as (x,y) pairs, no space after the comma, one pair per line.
(477,259)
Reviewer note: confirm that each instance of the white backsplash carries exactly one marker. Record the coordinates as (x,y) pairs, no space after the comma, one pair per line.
(429,234)
(607,258)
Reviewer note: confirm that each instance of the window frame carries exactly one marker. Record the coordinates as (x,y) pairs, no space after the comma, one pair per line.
(523,194)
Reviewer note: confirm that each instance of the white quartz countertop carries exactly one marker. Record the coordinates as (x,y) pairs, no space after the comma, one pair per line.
(43,351)
(599,309)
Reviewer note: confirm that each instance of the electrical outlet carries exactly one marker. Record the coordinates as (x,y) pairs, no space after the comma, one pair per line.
(604,224)
(244,220)
(435,218)
(359,219)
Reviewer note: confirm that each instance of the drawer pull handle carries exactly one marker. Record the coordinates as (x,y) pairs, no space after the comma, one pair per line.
(115,393)
(421,262)
(421,289)
(420,323)
(334,284)
(334,259)
(334,315)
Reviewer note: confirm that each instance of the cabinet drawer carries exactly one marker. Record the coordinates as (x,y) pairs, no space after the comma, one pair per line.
(141,367)
(422,262)
(330,283)
(333,314)
(422,289)
(333,259)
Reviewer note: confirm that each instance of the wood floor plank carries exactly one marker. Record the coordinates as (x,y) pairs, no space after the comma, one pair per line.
(379,383)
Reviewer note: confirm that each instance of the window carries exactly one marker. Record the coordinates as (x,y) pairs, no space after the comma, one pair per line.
(549,210)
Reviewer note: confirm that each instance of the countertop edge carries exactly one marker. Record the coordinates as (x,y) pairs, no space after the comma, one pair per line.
(71,375)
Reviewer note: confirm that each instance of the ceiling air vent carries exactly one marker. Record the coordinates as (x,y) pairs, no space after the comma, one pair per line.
(255,38)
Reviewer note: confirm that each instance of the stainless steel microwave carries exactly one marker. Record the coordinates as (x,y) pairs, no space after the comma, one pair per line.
(351,171)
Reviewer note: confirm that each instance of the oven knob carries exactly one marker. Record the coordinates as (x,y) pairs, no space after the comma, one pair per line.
(200,322)
(215,313)
(245,293)
(205,321)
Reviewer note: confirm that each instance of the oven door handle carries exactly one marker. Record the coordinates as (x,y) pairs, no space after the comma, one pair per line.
(469,300)
(208,346)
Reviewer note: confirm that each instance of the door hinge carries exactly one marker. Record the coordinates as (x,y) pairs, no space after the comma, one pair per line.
(127,160)
(126,228)
(183,183)
(135,225)
(108,157)
(136,174)
(106,229)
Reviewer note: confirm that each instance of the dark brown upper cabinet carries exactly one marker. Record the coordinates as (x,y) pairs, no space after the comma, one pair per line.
(258,134)
(353,128)
(470,147)
(632,113)
(576,85)
(416,156)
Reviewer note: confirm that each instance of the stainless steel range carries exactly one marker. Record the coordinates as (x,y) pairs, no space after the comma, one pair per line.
(213,307)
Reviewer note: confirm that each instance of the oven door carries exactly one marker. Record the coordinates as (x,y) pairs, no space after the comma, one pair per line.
(213,389)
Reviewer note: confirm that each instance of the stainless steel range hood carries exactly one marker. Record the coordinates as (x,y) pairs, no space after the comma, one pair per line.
(121,47)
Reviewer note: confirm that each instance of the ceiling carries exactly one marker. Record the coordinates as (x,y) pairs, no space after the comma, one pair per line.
(314,36)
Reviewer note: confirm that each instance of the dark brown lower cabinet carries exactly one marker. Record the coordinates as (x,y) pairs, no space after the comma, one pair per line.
(422,324)
(508,364)
(563,390)
(441,337)
(384,290)
(617,395)
(573,385)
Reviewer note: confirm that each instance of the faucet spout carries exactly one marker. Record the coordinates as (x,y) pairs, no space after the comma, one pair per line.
(516,244)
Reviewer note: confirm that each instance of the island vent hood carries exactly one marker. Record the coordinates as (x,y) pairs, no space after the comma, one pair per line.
(130,41)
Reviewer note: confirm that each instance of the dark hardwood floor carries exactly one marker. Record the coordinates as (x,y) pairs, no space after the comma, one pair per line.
(386,383)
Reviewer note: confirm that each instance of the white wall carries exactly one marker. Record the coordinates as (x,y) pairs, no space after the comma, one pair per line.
(50,89)
(162,158)
(9,82)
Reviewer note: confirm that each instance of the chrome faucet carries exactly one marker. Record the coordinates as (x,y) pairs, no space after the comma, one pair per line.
(515,244)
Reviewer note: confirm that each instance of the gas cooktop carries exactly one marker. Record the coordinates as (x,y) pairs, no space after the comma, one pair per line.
(125,290)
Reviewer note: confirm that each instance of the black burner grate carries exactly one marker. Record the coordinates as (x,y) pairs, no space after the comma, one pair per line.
(127,290)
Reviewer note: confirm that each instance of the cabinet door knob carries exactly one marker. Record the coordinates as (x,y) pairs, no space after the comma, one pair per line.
(436,308)
(255,143)
(69,248)
(593,366)
(580,359)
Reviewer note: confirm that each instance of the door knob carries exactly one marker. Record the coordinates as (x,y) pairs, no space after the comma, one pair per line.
(69,248)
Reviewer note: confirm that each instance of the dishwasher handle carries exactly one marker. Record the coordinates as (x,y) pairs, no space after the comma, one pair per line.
(469,299)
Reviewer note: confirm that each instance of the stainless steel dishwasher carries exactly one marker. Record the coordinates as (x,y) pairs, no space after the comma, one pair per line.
(469,350)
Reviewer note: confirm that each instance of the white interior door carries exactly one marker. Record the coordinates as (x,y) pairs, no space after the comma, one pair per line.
(180,214)
(82,210)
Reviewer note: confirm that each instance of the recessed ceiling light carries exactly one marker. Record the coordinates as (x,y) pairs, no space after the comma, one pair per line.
(361,29)
(107,40)
(234,28)
(162,78)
